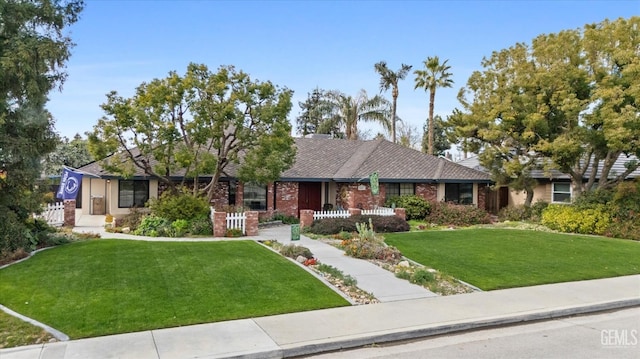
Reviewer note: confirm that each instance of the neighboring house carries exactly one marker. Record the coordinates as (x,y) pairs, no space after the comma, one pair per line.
(328,173)
(553,186)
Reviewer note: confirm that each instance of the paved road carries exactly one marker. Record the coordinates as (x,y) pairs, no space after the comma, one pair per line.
(606,335)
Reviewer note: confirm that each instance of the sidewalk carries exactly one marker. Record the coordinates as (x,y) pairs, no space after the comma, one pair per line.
(325,330)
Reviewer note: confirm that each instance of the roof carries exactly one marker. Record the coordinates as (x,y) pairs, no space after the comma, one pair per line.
(617,168)
(326,159)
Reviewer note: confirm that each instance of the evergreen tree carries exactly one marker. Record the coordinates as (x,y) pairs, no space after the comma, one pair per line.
(33,51)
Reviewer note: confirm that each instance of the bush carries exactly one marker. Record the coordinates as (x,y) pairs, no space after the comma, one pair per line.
(443,213)
(233,232)
(153,226)
(201,226)
(422,277)
(293,251)
(179,228)
(132,219)
(416,207)
(514,213)
(381,224)
(285,219)
(567,218)
(537,209)
(181,205)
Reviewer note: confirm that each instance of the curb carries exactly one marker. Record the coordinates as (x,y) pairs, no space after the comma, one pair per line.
(440,329)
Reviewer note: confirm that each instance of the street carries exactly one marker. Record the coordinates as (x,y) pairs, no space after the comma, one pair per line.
(613,334)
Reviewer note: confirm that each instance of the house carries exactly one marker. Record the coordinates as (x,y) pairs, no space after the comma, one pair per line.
(553,186)
(328,173)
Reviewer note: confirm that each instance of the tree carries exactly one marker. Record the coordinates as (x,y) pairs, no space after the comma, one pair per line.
(316,114)
(568,101)
(434,75)
(198,124)
(441,143)
(348,111)
(72,153)
(408,136)
(33,53)
(389,79)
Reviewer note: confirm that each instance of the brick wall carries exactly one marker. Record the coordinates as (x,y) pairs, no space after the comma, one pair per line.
(69,213)
(428,191)
(287,198)
(482,195)
(358,195)
(221,196)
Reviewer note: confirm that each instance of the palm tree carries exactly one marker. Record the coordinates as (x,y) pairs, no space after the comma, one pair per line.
(389,79)
(348,111)
(434,75)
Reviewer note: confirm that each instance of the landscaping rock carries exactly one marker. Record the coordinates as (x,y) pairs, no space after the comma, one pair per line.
(126,230)
(404,264)
(301,259)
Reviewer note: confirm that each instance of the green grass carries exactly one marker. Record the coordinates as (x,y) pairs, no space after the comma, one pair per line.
(14,332)
(505,258)
(108,286)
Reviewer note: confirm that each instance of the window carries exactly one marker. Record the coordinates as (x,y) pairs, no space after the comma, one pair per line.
(460,193)
(132,193)
(399,189)
(561,192)
(255,197)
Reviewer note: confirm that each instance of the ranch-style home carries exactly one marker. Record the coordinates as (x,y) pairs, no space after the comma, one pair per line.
(327,174)
(553,186)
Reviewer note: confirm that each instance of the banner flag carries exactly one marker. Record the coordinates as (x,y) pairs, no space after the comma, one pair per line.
(69,184)
(375,186)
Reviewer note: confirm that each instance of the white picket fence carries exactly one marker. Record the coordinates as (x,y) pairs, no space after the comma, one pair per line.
(330,214)
(53,213)
(237,221)
(380,211)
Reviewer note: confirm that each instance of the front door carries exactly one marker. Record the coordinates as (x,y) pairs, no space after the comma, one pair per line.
(310,195)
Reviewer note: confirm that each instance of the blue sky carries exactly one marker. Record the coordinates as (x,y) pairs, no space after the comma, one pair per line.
(301,45)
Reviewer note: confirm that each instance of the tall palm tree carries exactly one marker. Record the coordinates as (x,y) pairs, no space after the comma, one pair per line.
(389,79)
(434,75)
(348,111)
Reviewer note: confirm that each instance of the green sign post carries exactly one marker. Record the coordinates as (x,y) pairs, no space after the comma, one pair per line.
(295,232)
(375,186)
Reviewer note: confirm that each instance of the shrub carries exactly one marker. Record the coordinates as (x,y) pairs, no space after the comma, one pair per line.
(293,251)
(567,218)
(514,213)
(537,209)
(334,272)
(332,226)
(233,232)
(415,206)
(181,205)
(422,276)
(381,224)
(443,213)
(132,219)
(201,226)
(153,226)
(285,219)
(179,228)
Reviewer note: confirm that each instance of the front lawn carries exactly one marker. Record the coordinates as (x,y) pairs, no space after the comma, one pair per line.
(505,258)
(111,286)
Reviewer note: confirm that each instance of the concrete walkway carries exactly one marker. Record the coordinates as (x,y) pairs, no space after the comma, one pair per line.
(325,330)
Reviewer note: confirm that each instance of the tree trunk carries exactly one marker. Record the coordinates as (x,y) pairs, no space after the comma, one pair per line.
(529,198)
(432,97)
(393,119)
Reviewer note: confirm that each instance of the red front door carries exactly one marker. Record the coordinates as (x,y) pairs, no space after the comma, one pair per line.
(310,195)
